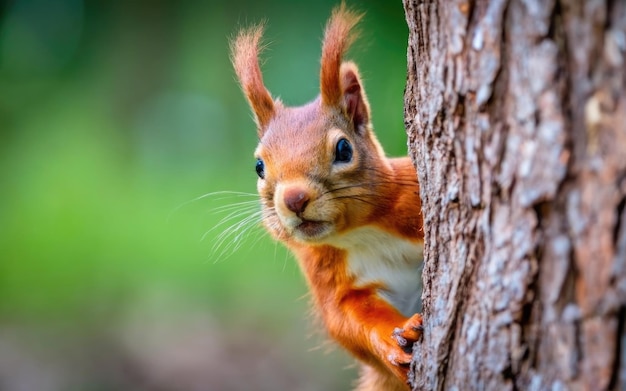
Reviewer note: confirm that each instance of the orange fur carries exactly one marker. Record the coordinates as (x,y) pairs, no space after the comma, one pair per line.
(337,40)
(245,57)
(349,214)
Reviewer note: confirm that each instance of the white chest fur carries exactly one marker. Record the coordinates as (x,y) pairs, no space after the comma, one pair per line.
(376,256)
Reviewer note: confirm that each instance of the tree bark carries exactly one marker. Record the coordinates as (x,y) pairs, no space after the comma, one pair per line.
(516,117)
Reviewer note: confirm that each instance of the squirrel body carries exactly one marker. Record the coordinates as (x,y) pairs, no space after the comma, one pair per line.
(351,216)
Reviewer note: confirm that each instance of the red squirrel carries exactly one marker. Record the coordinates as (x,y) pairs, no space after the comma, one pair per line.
(351,216)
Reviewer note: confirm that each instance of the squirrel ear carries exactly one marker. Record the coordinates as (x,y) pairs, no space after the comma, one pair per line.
(354,101)
(245,49)
(338,36)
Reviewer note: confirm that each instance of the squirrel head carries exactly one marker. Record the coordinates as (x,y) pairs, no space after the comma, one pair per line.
(320,166)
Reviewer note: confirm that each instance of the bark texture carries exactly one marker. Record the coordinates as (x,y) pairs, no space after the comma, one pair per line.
(516,117)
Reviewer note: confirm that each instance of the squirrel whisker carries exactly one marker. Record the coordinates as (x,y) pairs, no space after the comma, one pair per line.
(232,238)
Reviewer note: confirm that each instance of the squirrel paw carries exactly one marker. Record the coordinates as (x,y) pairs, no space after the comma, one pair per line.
(399,351)
(410,332)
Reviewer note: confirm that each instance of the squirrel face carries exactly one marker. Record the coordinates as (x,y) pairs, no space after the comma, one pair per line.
(317,171)
(320,164)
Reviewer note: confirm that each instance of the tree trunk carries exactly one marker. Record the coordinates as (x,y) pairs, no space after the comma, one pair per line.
(516,117)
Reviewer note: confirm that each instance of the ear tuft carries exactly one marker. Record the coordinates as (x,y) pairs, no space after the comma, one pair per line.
(338,36)
(245,49)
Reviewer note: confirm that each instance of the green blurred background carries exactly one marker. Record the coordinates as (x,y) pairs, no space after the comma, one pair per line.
(115,116)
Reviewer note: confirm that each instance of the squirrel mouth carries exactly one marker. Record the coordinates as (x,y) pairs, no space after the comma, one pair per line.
(309,229)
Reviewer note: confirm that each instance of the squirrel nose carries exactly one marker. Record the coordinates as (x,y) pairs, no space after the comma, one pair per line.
(296,200)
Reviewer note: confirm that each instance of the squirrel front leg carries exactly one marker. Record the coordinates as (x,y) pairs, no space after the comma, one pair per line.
(356,315)
(373,330)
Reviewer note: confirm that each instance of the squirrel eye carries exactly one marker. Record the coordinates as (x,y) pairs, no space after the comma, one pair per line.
(343,151)
(260,168)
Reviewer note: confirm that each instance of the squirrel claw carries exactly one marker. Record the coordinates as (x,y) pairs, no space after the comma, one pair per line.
(410,332)
(397,335)
(399,360)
